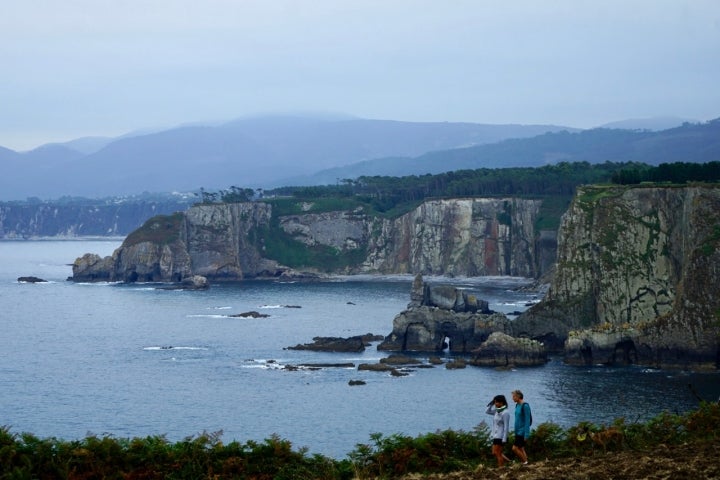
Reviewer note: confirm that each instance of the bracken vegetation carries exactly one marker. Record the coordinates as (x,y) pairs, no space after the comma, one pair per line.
(24,456)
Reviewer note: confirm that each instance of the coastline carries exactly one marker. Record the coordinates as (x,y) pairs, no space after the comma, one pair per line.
(65,238)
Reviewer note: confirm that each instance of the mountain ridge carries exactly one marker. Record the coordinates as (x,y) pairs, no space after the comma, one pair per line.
(686,143)
(283,150)
(252,152)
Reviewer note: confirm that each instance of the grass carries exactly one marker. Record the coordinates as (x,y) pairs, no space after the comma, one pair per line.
(162,229)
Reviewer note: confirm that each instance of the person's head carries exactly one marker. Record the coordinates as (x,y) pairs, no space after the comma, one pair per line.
(517,395)
(500,401)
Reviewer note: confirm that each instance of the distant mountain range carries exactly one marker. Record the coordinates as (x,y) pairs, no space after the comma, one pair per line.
(286,150)
(691,142)
(250,152)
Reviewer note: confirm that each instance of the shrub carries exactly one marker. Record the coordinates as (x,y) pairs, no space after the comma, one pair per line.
(205,456)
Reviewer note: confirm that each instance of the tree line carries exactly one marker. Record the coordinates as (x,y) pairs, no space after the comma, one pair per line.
(678,172)
(385,193)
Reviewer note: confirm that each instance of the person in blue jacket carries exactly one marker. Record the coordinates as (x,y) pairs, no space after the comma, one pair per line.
(523,420)
(498,408)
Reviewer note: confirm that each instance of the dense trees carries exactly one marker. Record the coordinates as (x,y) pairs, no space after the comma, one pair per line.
(385,193)
(392,194)
(679,172)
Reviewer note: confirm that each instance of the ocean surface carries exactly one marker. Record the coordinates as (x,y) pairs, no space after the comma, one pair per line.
(135,360)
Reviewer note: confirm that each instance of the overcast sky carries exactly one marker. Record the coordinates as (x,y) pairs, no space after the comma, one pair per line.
(75,68)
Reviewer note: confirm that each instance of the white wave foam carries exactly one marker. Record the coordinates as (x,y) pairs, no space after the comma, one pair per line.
(170,347)
(256,366)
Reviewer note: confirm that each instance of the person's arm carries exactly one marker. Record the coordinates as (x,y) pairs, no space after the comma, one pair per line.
(526,418)
(506,426)
(490,410)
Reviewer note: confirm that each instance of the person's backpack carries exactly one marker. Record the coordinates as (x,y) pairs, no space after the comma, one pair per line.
(527,411)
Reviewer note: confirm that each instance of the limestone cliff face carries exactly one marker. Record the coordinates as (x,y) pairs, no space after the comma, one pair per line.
(70,221)
(463,237)
(460,237)
(341,230)
(637,278)
(220,243)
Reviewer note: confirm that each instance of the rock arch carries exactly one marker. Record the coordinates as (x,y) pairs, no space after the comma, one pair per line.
(454,336)
(625,353)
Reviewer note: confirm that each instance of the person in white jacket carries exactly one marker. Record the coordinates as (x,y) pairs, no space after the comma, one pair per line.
(498,408)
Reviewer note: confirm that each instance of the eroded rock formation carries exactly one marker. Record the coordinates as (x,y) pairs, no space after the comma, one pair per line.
(442,317)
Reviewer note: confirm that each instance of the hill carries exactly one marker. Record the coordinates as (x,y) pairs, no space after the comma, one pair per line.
(694,143)
(250,152)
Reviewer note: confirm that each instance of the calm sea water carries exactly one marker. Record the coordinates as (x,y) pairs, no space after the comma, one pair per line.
(132,361)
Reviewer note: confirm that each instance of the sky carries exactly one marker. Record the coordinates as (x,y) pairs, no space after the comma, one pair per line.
(76,68)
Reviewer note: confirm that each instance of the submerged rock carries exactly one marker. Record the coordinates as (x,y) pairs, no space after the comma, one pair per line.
(31,280)
(194,282)
(250,314)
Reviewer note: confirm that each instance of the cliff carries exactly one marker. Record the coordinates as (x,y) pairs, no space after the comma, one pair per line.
(208,240)
(462,237)
(27,220)
(637,279)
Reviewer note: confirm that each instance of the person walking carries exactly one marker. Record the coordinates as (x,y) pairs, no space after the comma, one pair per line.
(498,408)
(523,420)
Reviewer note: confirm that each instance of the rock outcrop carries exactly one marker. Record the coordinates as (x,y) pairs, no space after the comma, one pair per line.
(441,321)
(355,343)
(213,241)
(91,267)
(637,279)
(445,297)
(193,282)
(465,237)
(502,350)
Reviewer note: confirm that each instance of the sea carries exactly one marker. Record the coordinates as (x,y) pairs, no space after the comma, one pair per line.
(107,359)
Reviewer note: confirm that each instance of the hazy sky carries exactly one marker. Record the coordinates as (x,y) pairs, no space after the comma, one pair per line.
(74,68)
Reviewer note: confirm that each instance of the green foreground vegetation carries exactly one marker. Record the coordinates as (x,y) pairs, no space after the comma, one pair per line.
(24,456)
